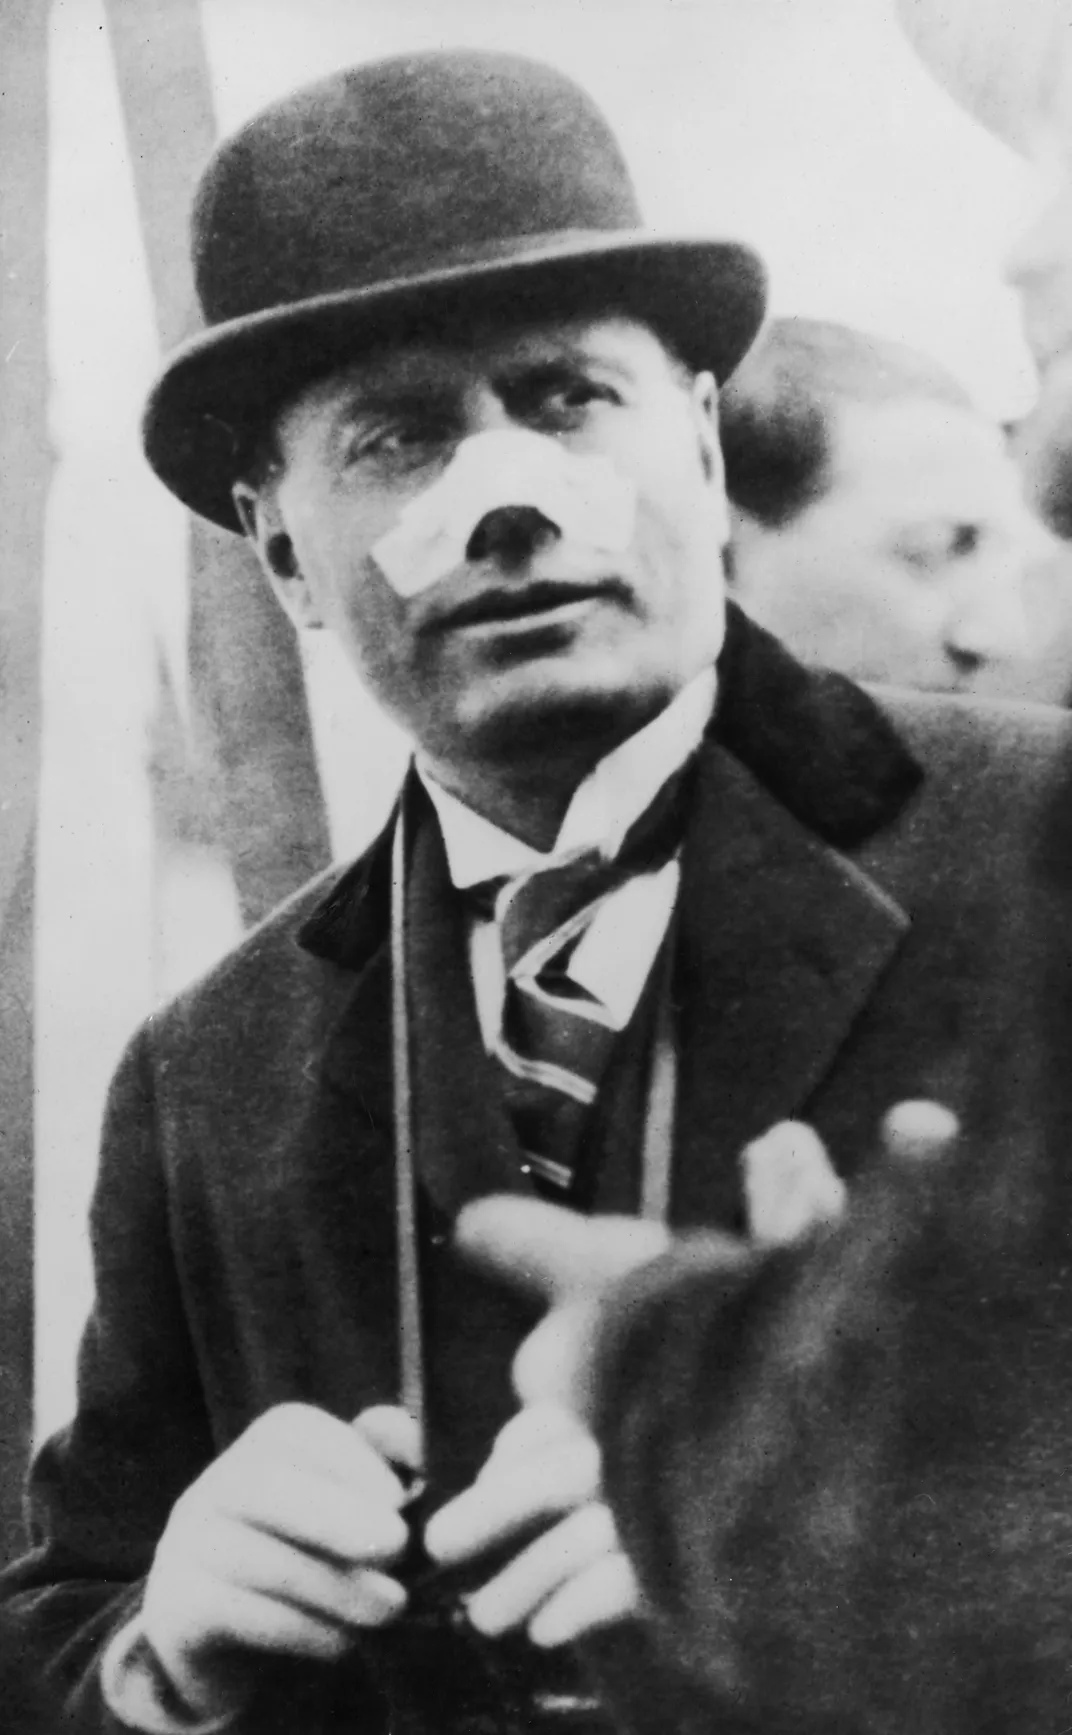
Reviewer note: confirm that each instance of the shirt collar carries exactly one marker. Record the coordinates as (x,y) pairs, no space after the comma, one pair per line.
(604,806)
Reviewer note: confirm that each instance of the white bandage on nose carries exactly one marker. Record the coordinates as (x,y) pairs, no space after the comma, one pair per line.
(590,505)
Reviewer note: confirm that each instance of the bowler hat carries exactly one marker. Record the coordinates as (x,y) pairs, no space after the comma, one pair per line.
(404,199)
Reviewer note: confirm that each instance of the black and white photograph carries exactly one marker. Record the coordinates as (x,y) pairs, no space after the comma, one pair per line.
(535,867)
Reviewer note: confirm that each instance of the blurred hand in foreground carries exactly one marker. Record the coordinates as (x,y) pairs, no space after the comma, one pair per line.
(544,1470)
(545,1466)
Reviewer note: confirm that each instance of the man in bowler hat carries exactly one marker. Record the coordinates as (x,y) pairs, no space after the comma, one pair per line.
(649,888)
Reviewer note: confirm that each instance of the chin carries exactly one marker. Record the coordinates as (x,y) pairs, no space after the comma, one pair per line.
(560,718)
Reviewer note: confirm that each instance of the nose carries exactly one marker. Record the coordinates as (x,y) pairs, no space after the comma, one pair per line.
(966,663)
(511,535)
(1027,256)
(486,412)
(989,625)
(1039,254)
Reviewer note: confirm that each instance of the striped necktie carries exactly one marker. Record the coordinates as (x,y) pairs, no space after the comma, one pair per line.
(555,1037)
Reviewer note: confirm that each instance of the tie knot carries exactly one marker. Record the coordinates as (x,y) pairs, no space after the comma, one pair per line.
(540,912)
(555,1034)
(482,897)
(552,903)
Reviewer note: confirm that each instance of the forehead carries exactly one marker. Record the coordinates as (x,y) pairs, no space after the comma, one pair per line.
(488,353)
(918,458)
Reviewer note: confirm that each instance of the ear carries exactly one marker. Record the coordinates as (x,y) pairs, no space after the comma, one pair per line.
(261,519)
(704,400)
(704,397)
(747,544)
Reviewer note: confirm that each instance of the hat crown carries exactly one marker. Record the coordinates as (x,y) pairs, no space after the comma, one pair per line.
(409,198)
(401,167)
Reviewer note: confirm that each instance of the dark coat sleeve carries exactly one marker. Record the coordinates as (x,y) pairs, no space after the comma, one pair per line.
(101,1491)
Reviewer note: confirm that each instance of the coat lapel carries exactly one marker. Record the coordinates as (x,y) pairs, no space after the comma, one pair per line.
(782,942)
(465,1144)
(350,928)
(817,742)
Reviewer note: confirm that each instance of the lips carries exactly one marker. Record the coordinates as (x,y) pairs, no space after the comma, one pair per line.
(517,601)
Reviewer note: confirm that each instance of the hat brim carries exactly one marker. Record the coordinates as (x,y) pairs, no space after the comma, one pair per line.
(218,392)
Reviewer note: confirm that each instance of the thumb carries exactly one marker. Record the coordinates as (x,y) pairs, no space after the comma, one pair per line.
(790,1185)
(550,1252)
(919,1132)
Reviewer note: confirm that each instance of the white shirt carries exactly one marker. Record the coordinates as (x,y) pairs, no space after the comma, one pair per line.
(614,956)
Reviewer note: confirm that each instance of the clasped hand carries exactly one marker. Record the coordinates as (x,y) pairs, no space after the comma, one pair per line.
(284,1544)
(280,1546)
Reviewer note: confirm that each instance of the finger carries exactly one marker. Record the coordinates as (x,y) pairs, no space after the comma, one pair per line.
(251,1560)
(601,1594)
(502,1504)
(355,1525)
(303,1435)
(393,1433)
(915,1132)
(547,1564)
(530,1433)
(550,1252)
(232,1615)
(553,1364)
(790,1184)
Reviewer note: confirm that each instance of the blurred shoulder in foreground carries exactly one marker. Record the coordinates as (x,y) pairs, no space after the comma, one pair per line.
(841,1468)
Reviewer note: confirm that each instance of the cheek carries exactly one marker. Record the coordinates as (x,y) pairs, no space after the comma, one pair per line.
(887,616)
(802,582)
(1051,243)
(682,520)
(869,614)
(371,621)
(358,604)
(913,608)
(679,578)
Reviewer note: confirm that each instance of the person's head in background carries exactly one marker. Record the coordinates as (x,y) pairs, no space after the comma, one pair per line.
(1009,64)
(1039,266)
(879,523)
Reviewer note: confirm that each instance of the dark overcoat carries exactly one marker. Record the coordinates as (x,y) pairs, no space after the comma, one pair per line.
(857,923)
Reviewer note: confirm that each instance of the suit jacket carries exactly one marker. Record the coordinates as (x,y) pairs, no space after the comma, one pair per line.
(857,924)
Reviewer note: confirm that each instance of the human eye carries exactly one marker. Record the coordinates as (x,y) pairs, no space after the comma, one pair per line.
(586,391)
(400,440)
(928,548)
(919,553)
(964,540)
(565,400)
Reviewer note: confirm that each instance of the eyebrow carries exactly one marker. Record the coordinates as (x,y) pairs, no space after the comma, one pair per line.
(383,397)
(562,365)
(400,378)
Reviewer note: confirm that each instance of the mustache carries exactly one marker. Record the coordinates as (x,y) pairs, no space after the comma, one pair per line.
(505,493)
(551,576)
(512,598)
